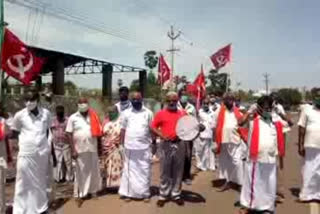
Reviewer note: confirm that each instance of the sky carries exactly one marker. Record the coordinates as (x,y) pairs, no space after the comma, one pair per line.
(281,38)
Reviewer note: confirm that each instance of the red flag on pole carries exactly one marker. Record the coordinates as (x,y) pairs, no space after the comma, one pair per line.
(200,84)
(164,72)
(221,57)
(18,61)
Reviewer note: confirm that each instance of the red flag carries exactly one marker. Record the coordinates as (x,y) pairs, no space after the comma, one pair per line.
(164,72)
(18,60)
(200,84)
(221,57)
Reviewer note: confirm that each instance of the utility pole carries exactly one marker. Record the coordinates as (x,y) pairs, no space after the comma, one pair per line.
(173,36)
(266,80)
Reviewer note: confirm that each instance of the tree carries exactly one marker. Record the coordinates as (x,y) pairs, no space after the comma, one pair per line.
(289,96)
(71,87)
(218,81)
(151,59)
(135,85)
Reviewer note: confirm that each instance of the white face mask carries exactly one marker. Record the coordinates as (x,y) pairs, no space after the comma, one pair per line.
(83,107)
(31,105)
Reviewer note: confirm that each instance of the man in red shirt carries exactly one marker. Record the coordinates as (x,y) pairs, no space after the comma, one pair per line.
(172,150)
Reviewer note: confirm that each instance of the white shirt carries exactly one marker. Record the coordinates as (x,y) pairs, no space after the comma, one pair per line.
(215,107)
(230,129)
(128,106)
(268,146)
(190,109)
(278,109)
(137,126)
(310,120)
(206,119)
(33,130)
(80,128)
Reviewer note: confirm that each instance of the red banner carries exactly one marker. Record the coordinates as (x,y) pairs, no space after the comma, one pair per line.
(164,72)
(18,61)
(221,57)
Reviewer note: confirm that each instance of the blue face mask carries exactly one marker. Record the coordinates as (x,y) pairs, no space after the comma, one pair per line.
(184,99)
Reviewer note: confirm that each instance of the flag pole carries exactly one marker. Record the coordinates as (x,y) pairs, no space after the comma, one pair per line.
(2,25)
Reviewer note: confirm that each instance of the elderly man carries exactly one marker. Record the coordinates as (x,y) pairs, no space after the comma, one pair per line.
(172,150)
(32,125)
(84,130)
(229,146)
(136,137)
(63,170)
(266,143)
(309,149)
(124,103)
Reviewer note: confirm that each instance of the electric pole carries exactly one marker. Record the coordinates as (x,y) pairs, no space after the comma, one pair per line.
(173,36)
(266,80)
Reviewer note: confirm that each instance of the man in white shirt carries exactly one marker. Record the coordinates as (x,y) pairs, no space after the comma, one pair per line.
(279,115)
(136,137)
(124,102)
(204,154)
(266,144)
(84,149)
(184,105)
(230,148)
(309,149)
(32,125)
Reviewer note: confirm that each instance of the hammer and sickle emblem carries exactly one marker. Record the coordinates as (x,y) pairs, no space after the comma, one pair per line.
(221,60)
(21,68)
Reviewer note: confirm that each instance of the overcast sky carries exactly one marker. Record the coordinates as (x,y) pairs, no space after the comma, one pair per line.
(281,37)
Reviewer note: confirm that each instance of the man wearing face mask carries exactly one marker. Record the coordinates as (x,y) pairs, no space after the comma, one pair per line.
(84,130)
(190,110)
(204,153)
(229,148)
(62,148)
(31,125)
(172,151)
(124,103)
(136,138)
(309,149)
(266,145)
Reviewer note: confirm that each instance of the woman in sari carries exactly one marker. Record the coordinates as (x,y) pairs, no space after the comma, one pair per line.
(112,158)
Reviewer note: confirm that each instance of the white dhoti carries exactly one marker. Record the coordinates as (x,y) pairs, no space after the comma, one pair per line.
(231,162)
(204,154)
(311,175)
(136,174)
(31,184)
(259,186)
(87,175)
(63,170)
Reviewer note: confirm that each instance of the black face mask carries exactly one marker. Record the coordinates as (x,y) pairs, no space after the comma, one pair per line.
(205,108)
(60,114)
(136,104)
(229,105)
(123,98)
(172,107)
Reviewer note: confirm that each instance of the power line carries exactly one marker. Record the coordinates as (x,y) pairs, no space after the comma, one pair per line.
(63,14)
(173,36)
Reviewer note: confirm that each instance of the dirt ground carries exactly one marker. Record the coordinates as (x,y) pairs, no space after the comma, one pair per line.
(201,197)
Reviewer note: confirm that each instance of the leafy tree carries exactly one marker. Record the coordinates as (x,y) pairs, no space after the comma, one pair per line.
(135,85)
(218,81)
(151,59)
(71,87)
(289,96)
